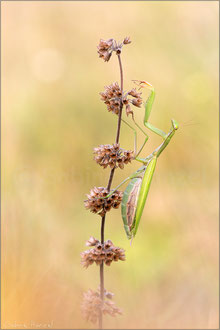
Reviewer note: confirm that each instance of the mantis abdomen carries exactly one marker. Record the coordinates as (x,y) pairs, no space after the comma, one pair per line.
(129,204)
(134,199)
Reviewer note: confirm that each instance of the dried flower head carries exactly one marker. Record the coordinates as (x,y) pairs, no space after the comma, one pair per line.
(108,294)
(112,97)
(107,47)
(133,92)
(98,203)
(92,241)
(105,252)
(92,305)
(137,102)
(112,155)
(126,41)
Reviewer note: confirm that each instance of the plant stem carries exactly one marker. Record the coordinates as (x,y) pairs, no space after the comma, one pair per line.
(108,188)
(120,112)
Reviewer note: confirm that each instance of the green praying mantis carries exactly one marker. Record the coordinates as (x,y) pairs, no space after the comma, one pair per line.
(136,192)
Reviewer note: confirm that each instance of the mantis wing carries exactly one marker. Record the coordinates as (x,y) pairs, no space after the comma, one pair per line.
(145,187)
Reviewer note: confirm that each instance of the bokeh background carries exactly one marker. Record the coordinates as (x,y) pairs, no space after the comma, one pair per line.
(52,118)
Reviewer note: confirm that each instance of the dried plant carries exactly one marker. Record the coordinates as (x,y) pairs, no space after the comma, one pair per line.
(97,204)
(112,155)
(101,200)
(97,303)
(105,252)
(93,305)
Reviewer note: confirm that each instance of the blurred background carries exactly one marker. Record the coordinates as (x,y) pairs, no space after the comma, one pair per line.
(52,118)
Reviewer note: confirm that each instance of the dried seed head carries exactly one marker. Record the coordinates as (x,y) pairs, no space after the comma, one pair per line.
(128,110)
(126,41)
(108,244)
(92,241)
(106,253)
(97,203)
(137,102)
(125,101)
(112,155)
(112,97)
(105,44)
(109,295)
(107,47)
(99,246)
(133,92)
(92,305)
(106,56)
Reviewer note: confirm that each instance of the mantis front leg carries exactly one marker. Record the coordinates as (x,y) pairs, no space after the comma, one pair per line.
(148,107)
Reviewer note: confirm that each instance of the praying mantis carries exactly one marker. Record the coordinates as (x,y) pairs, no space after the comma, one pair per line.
(136,192)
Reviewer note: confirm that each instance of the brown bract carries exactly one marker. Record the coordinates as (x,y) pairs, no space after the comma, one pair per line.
(92,305)
(112,155)
(106,253)
(98,203)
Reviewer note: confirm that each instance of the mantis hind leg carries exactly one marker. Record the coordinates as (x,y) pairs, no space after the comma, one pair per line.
(132,176)
(114,190)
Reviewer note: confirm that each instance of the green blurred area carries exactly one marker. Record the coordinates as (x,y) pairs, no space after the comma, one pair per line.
(52,118)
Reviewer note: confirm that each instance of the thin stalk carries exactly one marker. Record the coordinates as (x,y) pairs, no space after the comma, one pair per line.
(120,111)
(108,188)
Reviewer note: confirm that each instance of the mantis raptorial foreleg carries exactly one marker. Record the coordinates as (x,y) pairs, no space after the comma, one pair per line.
(148,107)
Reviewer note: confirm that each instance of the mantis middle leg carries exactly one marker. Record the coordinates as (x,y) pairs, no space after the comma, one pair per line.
(136,154)
(136,174)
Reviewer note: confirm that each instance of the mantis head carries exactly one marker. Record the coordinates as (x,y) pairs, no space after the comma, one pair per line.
(143,83)
(175,124)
